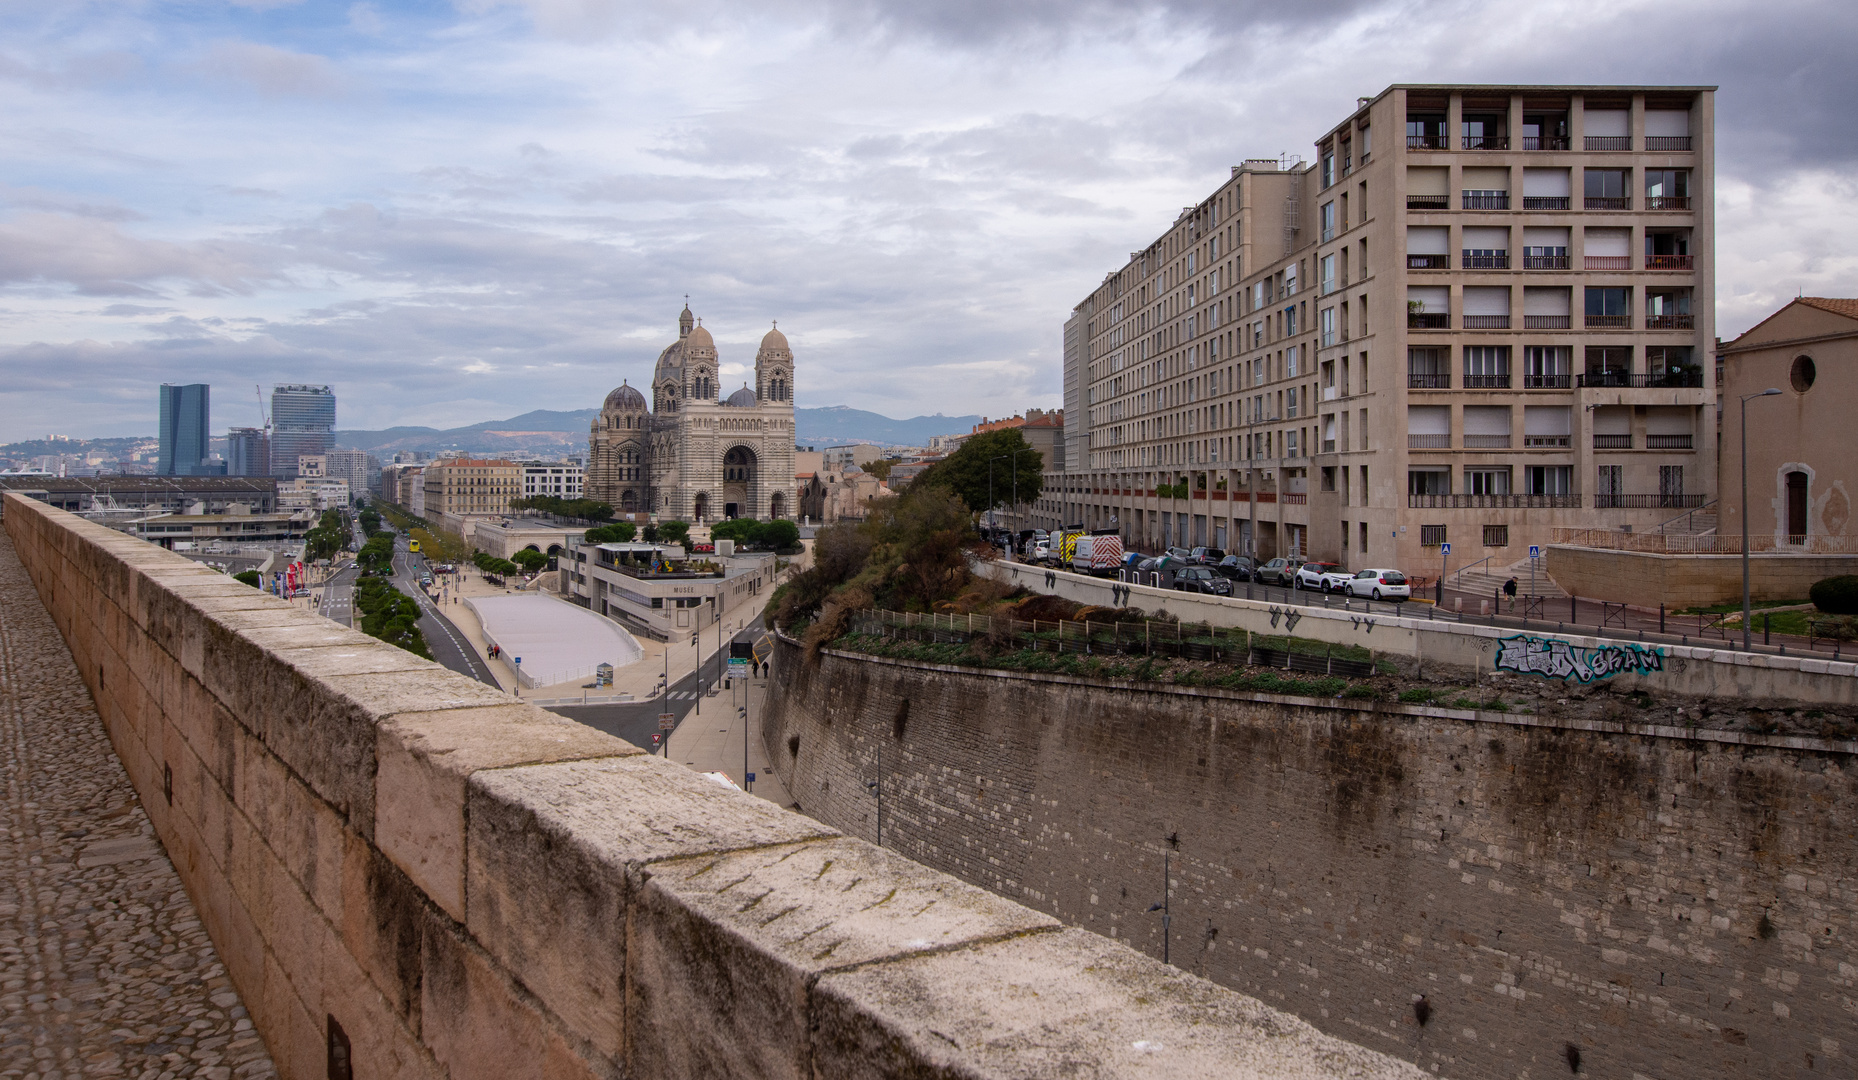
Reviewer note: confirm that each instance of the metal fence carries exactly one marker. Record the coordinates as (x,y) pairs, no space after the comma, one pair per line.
(1705,544)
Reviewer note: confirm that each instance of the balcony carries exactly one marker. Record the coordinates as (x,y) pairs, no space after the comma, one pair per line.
(1428,262)
(1294,498)
(1486,260)
(1547,322)
(1428,320)
(1419,380)
(1487,382)
(1545,262)
(1606,262)
(1609,322)
(1486,442)
(1428,202)
(1670,322)
(1606,143)
(1612,442)
(1486,322)
(1669,442)
(1548,382)
(1425,142)
(1667,143)
(1493,502)
(1545,142)
(1485,200)
(1647,502)
(1545,202)
(1328,446)
(1667,202)
(1486,142)
(1607,202)
(1679,378)
(1428,442)
(1670,262)
(1547,442)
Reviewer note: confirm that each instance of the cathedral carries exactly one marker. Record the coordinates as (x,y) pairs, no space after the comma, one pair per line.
(693,455)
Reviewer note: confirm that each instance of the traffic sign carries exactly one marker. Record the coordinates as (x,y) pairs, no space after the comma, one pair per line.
(667,721)
(738,668)
(1535,551)
(1445,549)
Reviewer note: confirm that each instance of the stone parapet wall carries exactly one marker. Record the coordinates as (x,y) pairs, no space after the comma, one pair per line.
(1669,903)
(1648,579)
(400,863)
(1421,644)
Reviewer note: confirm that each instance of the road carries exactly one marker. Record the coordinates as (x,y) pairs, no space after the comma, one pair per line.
(448,645)
(637,721)
(338,595)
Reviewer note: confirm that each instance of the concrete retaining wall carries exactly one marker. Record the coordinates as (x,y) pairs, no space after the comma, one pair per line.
(1680,581)
(1418,643)
(397,859)
(1671,904)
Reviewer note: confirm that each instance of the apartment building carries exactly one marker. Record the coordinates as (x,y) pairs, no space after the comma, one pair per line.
(464,487)
(558,479)
(1424,336)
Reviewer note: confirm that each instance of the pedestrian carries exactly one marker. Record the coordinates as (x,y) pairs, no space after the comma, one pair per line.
(1509,590)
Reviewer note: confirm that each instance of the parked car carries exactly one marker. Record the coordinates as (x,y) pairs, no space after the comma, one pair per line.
(1236,568)
(1278,571)
(1201,579)
(1321,576)
(1380,585)
(1207,556)
(1185,555)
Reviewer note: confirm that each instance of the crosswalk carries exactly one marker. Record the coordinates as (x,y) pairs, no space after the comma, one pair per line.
(683,695)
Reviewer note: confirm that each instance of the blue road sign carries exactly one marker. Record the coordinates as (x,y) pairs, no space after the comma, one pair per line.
(1445,549)
(1535,551)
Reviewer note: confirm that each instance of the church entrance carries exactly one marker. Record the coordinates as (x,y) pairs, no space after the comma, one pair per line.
(738,478)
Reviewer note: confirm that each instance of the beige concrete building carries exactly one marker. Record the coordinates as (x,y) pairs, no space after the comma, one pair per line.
(695,455)
(1479,315)
(468,487)
(1802,465)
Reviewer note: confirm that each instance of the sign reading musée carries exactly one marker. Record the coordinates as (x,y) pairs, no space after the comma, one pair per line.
(656,588)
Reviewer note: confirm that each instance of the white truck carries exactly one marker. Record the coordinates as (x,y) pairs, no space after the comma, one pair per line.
(1095,555)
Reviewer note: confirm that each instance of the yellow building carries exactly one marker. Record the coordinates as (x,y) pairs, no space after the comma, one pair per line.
(463,487)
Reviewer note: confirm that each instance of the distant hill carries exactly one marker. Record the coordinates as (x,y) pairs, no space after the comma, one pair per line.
(548,432)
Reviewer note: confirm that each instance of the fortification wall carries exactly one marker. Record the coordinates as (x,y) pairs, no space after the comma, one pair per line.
(404,870)
(1670,904)
(1648,579)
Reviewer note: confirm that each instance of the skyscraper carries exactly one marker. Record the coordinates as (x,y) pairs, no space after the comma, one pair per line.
(302,422)
(184,420)
(248,451)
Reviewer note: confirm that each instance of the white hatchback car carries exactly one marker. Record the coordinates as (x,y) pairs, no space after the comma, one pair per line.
(1380,585)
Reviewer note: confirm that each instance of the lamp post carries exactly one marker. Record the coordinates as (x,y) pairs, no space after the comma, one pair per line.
(1769,392)
(1167,916)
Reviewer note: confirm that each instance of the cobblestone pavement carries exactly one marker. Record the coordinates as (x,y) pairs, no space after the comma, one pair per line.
(105,969)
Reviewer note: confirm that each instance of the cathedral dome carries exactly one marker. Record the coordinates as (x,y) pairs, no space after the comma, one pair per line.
(700,339)
(743,398)
(774,339)
(624,400)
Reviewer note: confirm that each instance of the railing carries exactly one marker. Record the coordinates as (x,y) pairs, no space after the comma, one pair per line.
(1294,497)
(1547,442)
(1428,320)
(1667,143)
(1612,442)
(1645,502)
(1545,142)
(1609,322)
(1493,502)
(1428,262)
(1680,379)
(1486,142)
(1608,202)
(1548,382)
(1499,260)
(1670,322)
(1670,262)
(1435,380)
(1545,202)
(1428,442)
(1607,262)
(1486,200)
(1606,143)
(1695,544)
(1689,518)
(1669,442)
(1487,382)
(1428,202)
(1425,142)
(1328,234)
(1486,442)
(1545,262)
(1546,322)
(1667,202)
(1486,322)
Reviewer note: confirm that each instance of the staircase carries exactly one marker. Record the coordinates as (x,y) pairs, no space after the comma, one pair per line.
(1486,581)
(1698,522)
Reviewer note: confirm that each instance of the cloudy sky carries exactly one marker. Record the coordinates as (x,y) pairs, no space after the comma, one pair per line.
(457,210)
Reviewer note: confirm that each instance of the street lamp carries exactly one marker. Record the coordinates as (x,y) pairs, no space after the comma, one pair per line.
(1769,392)
(1167,916)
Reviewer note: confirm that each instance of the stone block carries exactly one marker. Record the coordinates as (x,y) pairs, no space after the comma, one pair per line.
(424,759)
(546,861)
(722,948)
(1064,1005)
(384,921)
(414,691)
(479,1026)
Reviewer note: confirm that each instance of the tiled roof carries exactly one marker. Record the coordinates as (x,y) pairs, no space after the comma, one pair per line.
(1845,306)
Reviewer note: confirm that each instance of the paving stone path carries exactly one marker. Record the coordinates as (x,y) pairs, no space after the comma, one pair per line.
(105,969)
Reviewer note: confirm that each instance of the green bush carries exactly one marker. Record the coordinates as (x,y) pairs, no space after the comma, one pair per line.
(249,577)
(1836,595)
(619,533)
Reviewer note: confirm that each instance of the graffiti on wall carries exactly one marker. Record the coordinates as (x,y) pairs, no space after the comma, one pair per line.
(1555,659)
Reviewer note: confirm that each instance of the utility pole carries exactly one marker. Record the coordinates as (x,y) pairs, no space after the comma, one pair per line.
(1769,392)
